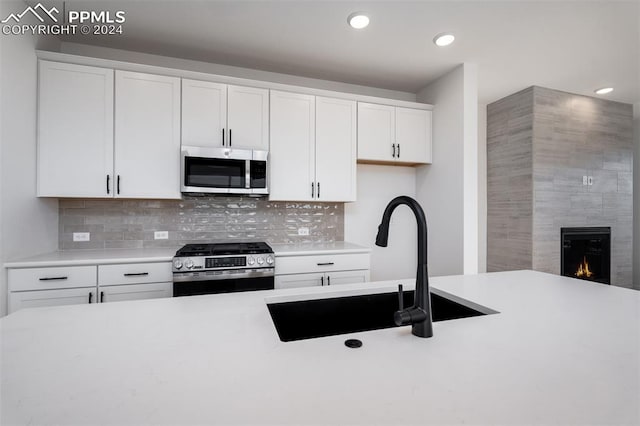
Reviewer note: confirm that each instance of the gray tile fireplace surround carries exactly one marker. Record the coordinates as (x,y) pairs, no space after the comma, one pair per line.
(131,223)
(540,144)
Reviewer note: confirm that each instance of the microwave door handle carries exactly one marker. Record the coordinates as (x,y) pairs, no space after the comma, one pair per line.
(247,178)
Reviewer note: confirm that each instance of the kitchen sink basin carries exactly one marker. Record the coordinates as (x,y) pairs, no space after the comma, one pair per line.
(307,319)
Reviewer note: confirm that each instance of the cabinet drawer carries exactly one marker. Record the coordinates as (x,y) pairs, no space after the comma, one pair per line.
(37,299)
(52,278)
(321,263)
(134,273)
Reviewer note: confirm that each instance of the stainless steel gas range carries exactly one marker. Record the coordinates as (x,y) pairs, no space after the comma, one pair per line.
(223,268)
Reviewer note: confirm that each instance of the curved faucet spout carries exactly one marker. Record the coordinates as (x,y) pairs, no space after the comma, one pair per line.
(419,315)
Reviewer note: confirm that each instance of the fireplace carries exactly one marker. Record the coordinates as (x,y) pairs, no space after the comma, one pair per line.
(586,253)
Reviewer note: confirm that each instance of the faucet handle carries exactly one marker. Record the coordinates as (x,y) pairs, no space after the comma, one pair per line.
(400,298)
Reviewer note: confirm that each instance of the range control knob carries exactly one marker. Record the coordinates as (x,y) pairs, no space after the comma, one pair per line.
(260,260)
(188,263)
(177,263)
(269,260)
(251,260)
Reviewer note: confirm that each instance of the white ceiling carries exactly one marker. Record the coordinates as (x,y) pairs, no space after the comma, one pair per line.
(575,46)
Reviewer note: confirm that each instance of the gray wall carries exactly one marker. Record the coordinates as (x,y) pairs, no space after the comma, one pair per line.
(29,224)
(636,198)
(510,182)
(131,223)
(554,139)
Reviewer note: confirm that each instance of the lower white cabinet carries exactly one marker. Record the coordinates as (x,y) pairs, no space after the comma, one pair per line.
(74,285)
(321,270)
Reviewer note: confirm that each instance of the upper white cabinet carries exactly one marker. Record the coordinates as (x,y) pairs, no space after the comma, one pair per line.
(313,148)
(75,131)
(147,136)
(292,147)
(336,149)
(217,115)
(389,134)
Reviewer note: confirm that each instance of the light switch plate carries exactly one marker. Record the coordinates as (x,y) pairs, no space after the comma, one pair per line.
(303,231)
(590,180)
(81,236)
(161,235)
(584,180)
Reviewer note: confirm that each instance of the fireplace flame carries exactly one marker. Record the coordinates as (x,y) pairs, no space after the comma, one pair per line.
(583,269)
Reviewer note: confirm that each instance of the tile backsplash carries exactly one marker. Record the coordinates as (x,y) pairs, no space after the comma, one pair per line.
(132,223)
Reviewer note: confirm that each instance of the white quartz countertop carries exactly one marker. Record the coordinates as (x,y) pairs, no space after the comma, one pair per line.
(561,351)
(94,257)
(117,256)
(338,247)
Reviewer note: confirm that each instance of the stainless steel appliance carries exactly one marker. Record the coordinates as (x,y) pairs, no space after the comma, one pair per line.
(224,171)
(222,268)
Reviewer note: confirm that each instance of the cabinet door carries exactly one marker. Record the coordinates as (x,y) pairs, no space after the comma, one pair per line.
(347,277)
(376,132)
(75,131)
(147,138)
(292,153)
(118,293)
(248,117)
(204,113)
(335,149)
(413,135)
(299,280)
(35,299)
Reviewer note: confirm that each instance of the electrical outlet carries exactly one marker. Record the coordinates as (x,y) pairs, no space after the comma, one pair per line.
(81,236)
(161,235)
(303,231)
(590,180)
(584,180)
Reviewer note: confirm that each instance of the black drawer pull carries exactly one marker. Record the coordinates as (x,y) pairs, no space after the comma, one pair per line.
(325,264)
(102,297)
(328,280)
(90,296)
(139,274)
(54,278)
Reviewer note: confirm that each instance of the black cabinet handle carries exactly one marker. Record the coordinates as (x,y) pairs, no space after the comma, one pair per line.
(102,297)
(313,190)
(118,185)
(108,179)
(318,189)
(229,137)
(138,274)
(398,150)
(322,281)
(394,150)
(90,296)
(328,280)
(223,136)
(53,278)
(400,298)
(325,264)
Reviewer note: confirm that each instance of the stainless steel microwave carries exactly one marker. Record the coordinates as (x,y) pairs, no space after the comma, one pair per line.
(224,171)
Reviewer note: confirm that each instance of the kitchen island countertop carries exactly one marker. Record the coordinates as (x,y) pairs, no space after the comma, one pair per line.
(560,351)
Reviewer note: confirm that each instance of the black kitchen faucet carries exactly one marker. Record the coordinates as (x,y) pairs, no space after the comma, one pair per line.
(419,315)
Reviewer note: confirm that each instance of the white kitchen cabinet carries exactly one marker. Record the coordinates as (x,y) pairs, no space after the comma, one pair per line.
(389,134)
(75,131)
(119,293)
(217,115)
(321,270)
(313,148)
(69,285)
(147,135)
(336,149)
(292,146)
(41,298)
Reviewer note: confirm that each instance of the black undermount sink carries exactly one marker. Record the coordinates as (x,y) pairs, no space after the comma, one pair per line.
(307,319)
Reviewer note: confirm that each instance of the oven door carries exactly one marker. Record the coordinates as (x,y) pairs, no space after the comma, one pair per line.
(214,282)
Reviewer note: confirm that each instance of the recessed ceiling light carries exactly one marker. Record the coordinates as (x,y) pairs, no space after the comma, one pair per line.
(358,20)
(604,90)
(443,39)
